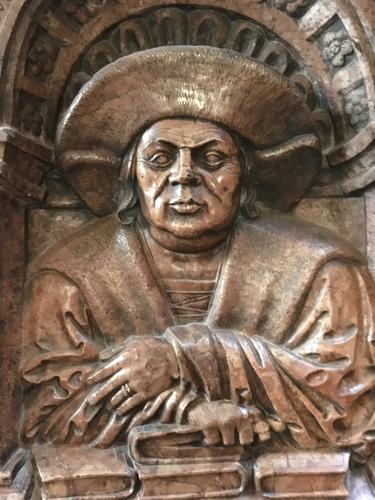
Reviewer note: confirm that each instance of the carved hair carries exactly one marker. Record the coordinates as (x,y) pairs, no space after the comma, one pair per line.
(128,199)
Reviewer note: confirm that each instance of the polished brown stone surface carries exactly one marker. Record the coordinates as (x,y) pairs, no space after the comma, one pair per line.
(182,335)
(173,342)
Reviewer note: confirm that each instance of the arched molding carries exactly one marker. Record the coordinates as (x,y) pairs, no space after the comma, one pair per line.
(314,30)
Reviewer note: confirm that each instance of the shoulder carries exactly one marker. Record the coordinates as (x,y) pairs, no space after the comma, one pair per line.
(294,237)
(49,290)
(84,247)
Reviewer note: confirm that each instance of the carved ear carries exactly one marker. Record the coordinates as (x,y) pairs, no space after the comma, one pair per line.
(93,175)
(284,173)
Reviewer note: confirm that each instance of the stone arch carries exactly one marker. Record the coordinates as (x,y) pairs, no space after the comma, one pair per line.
(42,42)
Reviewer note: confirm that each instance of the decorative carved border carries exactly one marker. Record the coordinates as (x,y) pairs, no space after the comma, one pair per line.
(325,38)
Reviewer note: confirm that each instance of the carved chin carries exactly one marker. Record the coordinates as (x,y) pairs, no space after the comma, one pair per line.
(188,230)
(193,225)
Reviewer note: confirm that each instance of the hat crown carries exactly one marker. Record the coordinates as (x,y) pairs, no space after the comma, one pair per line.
(218,85)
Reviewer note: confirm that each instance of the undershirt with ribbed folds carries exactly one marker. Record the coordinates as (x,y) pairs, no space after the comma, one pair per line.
(188,279)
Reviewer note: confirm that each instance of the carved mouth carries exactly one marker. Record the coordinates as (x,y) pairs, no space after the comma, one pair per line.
(186,206)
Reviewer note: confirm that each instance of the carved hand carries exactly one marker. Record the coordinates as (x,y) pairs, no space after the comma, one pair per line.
(222,421)
(146,367)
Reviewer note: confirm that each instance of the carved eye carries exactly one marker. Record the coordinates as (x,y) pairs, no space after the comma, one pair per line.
(213,159)
(161,160)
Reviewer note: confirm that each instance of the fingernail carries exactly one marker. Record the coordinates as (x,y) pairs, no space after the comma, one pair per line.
(265,436)
(277,426)
(261,427)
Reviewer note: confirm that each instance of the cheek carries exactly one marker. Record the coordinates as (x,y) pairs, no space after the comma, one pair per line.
(227,184)
(149,183)
(144,179)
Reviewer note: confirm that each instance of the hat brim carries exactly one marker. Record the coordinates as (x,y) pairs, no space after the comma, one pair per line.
(222,86)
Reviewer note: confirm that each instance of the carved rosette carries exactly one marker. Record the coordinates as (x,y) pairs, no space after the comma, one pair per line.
(337,46)
(322,46)
(291,7)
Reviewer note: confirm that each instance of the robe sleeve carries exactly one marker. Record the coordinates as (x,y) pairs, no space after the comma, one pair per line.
(319,382)
(327,360)
(61,344)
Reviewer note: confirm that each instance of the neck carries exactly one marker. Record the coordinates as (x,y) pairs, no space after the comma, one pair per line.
(196,245)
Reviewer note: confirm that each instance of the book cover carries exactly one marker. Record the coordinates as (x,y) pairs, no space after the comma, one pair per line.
(313,474)
(204,480)
(83,472)
(173,443)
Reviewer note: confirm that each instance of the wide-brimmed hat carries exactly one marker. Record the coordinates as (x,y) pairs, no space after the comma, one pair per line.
(222,86)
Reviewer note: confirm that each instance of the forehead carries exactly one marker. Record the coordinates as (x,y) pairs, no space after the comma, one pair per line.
(186,133)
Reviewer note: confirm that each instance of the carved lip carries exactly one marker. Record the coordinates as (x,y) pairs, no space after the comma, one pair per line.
(189,206)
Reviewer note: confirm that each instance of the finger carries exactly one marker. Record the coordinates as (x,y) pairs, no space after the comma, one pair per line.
(246,434)
(153,406)
(112,351)
(171,404)
(263,430)
(276,425)
(113,383)
(109,369)
(149,410)
(254,413)
(118,398)
(132,402)
(186,400)
(229,438)
(111,431)
(264,436)
(211,436)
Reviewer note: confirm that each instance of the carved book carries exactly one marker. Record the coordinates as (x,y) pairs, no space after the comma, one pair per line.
(83,473)
(205,480)
(302,475)
(171,443)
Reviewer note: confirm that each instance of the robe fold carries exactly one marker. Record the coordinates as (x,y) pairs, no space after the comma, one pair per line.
(290,329)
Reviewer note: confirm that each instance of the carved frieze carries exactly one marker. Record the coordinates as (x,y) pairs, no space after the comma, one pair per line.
(79,12)
(325,51)
(291,7)
(170,26)
(357,107)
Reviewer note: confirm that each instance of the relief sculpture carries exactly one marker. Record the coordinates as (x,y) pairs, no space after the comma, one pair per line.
(193,339)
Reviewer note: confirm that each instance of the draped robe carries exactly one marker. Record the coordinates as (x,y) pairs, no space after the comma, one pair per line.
(290,329)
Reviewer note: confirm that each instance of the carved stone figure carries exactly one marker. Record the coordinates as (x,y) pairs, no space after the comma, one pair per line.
(188,322)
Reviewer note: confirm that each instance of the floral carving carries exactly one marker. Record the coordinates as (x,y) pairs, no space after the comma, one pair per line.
(172,25)
(41,59)
(356,106)
(337,46)
(291,7)
(83,10)
(32,119)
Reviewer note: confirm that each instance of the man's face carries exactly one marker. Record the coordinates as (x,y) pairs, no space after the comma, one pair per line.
(188,174)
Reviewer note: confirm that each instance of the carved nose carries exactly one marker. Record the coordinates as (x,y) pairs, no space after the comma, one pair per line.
(184,176)
(184,173)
